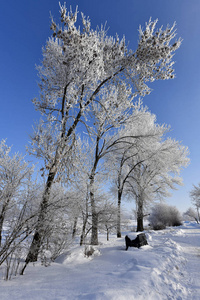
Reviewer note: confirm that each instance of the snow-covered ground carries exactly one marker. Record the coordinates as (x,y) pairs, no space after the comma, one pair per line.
(167,268)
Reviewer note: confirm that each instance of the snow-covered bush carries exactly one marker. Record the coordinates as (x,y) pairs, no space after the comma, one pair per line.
(89,250)
(163,215)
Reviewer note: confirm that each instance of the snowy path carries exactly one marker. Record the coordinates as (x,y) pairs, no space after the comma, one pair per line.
(165,269)
(189,240)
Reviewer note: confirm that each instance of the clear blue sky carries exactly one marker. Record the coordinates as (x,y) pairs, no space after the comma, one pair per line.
(25,27)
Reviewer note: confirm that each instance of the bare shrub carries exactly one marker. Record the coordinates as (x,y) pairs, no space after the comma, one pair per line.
(163,215)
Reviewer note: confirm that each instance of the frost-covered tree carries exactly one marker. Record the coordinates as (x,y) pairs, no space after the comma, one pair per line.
(134,145)
(157,174)
(14,173)
(58,224)
(106,140)
(108,217)
(103,137)
(195,197)
(147,165)
(20,220)
(79,63)
(191,214)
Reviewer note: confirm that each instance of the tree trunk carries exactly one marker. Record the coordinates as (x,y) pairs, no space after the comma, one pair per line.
(2,216)
(94,236)
(140,226)
(74,227)
(1,226)
(107,231)
(140,215)
(85,218)
(39,233)
(119,235)
(82,238)
(198,214)
(32,255)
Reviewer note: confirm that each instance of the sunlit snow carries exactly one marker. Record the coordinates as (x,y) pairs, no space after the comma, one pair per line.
(167,268)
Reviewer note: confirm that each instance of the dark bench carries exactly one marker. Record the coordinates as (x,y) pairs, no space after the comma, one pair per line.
(139,241)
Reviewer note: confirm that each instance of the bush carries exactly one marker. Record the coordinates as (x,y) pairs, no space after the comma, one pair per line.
(163,215)
(89,250)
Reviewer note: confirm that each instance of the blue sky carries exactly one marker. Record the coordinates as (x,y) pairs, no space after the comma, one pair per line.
(25,27)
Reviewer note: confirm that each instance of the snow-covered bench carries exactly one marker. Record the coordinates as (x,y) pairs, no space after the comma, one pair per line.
(139,241)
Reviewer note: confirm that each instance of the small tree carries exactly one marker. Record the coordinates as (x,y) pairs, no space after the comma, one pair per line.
(195,197)
(146,165)
(107,216)
(191,214)
(14,176)
(156,173)
(20,222)
(131,149)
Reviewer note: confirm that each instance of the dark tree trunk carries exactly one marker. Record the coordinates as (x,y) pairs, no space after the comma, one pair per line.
(94,236)
(33,253)
(140,226)
(2,216)
(74,227)
(119,235)
(39,232)
(198,215)
(85,218)
(1,228)
(107,231)
(140,215)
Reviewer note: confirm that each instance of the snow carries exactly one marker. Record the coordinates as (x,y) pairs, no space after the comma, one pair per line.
(167,268)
